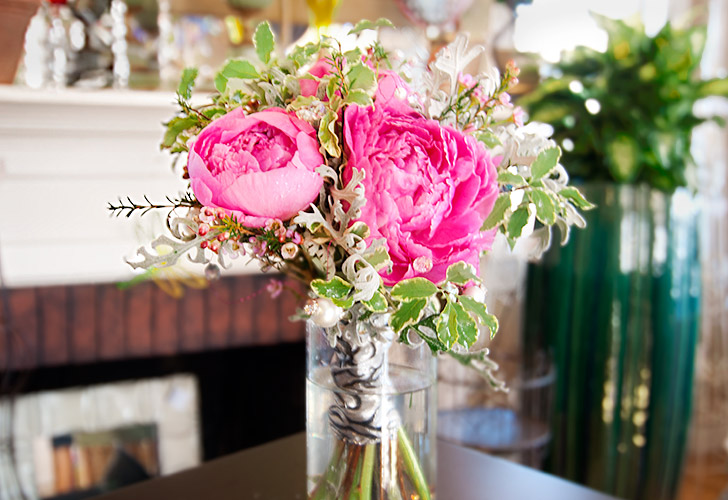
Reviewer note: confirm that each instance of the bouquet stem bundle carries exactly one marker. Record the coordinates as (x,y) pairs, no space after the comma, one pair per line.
(350,473)
(370,435)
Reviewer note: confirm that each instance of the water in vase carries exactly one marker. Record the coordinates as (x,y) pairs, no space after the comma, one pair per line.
(400,464)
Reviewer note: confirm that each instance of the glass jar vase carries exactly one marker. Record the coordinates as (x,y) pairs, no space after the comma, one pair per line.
(371,405)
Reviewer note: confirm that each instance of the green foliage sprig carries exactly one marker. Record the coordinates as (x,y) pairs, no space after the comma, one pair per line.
(441,315)
(628,111)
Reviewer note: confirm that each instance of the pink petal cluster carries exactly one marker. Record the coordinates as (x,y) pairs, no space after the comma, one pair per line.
(389,84)
(321,68)
(256,167)
(428,188)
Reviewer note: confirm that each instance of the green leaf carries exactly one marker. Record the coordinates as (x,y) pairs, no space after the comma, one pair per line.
(446,326)
(360,229)
(214,112)
(302,102)
(362,77)
(491,322)
(353,56)
(370,25)
(327,134)
(545,207)
(264,41)
(466,326)
(518,221)
(480,311)
(239,68)
(302,54)
(461,273)
(515,180)
(413,288)
(189,75)
(502,203)
(408,314)
(220,83)
(550,112)
(336,288)
(716,86)
(377,303)
(332,87)
(574,195)
(489,139)
(379,258)
(545,162)
(365,315)
(432,342)
(623,158)
(359,97)
(175,127)
(344,303)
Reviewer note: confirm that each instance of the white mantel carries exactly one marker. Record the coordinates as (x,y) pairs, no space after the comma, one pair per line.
(63,156)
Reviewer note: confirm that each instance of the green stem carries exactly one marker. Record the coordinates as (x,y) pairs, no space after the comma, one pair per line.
(329,480)
(413,465)
(367,472)
(355,493)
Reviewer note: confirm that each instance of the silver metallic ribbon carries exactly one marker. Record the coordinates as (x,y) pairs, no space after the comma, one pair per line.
(362,410)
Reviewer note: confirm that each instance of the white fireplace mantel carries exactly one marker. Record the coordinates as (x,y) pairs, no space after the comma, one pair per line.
(63,156)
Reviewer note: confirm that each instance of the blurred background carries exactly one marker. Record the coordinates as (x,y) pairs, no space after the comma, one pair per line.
(614,346)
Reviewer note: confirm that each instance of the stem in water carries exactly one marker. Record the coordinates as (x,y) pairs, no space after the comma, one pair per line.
(413,465)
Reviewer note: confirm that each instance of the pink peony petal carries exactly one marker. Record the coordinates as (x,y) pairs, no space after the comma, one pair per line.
(280,193)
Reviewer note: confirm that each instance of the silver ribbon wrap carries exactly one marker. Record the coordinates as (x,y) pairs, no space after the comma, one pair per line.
(362,410)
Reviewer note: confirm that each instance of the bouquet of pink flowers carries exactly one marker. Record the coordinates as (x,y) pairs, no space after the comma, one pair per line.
(379,188)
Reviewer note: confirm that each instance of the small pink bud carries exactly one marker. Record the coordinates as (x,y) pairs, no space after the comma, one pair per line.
(476,293)
(203,229)
(220,213)
(207,215)
(214,245)
(204,244)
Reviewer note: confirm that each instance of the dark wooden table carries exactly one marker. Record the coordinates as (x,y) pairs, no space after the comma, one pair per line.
(277,471)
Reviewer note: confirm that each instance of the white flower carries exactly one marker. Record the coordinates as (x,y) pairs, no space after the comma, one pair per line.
(289,250)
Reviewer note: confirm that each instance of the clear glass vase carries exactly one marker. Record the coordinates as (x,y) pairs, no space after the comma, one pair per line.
(371,407)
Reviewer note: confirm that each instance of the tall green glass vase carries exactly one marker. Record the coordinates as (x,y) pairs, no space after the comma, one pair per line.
(619,308)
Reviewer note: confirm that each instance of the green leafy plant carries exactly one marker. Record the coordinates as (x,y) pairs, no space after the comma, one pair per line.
(626,115)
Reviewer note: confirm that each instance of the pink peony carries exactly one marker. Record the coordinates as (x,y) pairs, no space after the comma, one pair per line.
(321,68)
(428,188)
(256,167)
